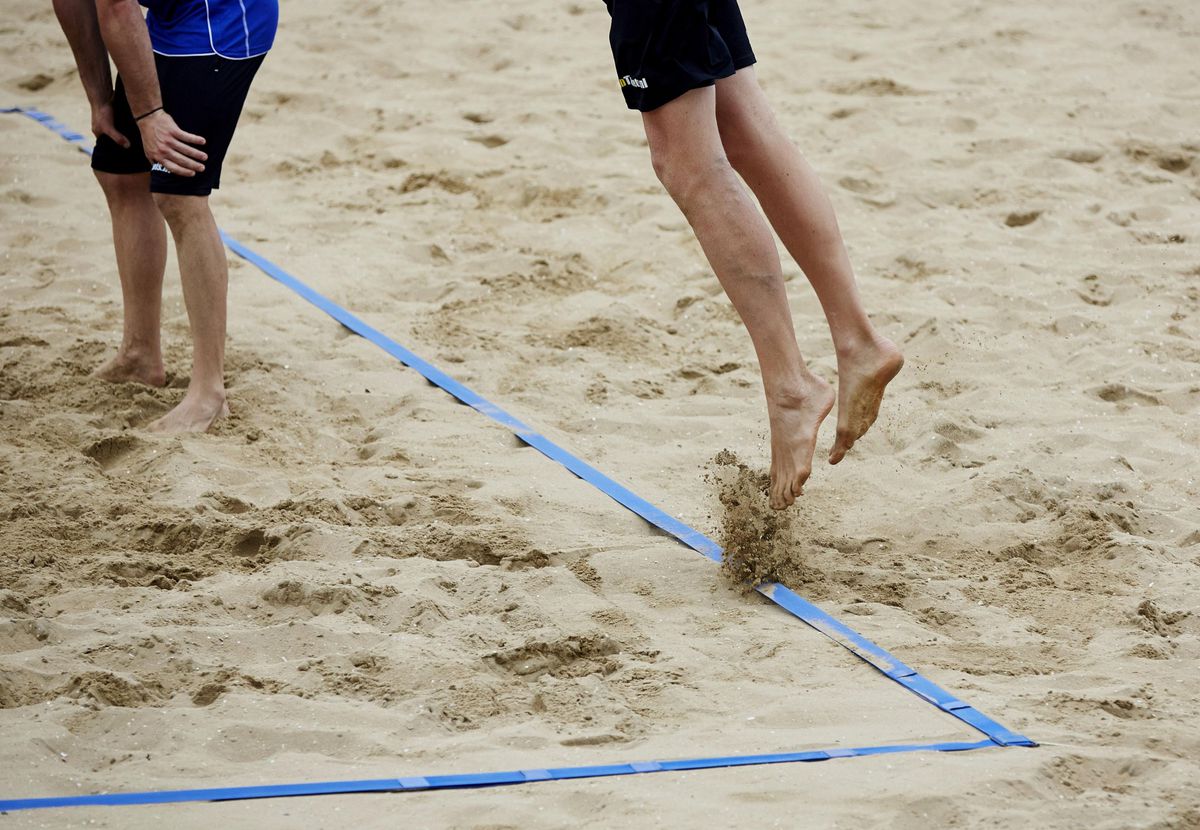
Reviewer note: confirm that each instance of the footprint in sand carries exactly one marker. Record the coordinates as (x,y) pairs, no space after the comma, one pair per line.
(108,689)
(36,83)
(910,268)
(317,600)
(253,542)
(1021,218)
(1093,291)
(22,340)
(572,656)
(1121,394)
(490,141)
(1080,155)
(146,574)
(441,179)
(108,451)
(868,191)
(477,543)
(843,112)
(1154,619)
(1171,159)
(229,505)
(1158,238)
(871,86)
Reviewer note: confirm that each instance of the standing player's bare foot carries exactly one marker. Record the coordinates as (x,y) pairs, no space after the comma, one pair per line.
(863,373)
(795,418)
(132,366)
(197,412)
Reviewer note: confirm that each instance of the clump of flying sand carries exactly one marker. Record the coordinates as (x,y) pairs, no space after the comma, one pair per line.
(761,545)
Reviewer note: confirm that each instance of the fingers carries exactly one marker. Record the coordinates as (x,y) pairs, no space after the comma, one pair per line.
(175,149)
(176,144)
(117,136)
(179,164)
(179,158)
(190,138)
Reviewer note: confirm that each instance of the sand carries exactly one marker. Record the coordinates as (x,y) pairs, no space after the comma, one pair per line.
(355,577)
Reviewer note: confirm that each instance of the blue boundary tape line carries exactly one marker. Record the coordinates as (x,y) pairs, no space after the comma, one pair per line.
(472,780)
(860,646)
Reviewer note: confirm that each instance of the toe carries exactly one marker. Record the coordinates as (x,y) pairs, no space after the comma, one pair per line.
(841,445)
(776,496)
(797,488)
(781,495)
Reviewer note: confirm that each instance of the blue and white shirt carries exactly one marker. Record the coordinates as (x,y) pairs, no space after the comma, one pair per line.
(235,29)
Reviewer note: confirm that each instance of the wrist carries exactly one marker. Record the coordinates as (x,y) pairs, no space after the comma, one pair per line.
(146,114)
(100,102)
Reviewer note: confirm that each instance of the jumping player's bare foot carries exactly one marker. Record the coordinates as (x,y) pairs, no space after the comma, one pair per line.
(863,373)
(197,412)
(132,366)
(795,418)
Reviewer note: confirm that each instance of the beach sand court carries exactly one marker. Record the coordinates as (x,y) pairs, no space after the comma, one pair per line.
(353,576)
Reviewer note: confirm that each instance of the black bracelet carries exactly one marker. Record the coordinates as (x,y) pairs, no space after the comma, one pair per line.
(146,114)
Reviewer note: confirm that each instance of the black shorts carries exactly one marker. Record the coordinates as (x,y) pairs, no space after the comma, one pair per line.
(664,48)
(204,94)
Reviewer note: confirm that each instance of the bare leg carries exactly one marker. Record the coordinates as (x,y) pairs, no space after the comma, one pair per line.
(686,150)
(205,275)
(798,208)
(140,242)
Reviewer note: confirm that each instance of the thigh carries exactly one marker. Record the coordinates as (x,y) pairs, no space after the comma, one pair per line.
(740,99)
(205,95)
(684,130)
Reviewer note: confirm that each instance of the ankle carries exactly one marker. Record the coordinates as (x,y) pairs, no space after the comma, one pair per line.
(858,343)
(795,391)
(206,391)
(140,351)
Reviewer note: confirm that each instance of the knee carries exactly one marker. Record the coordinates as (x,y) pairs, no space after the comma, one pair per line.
(124,190)
(664,165)
(683,173)
(179,210)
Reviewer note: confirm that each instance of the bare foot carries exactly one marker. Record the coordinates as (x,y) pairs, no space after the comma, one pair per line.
(795,418)
(130,366)
(862,376)
(197,412)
